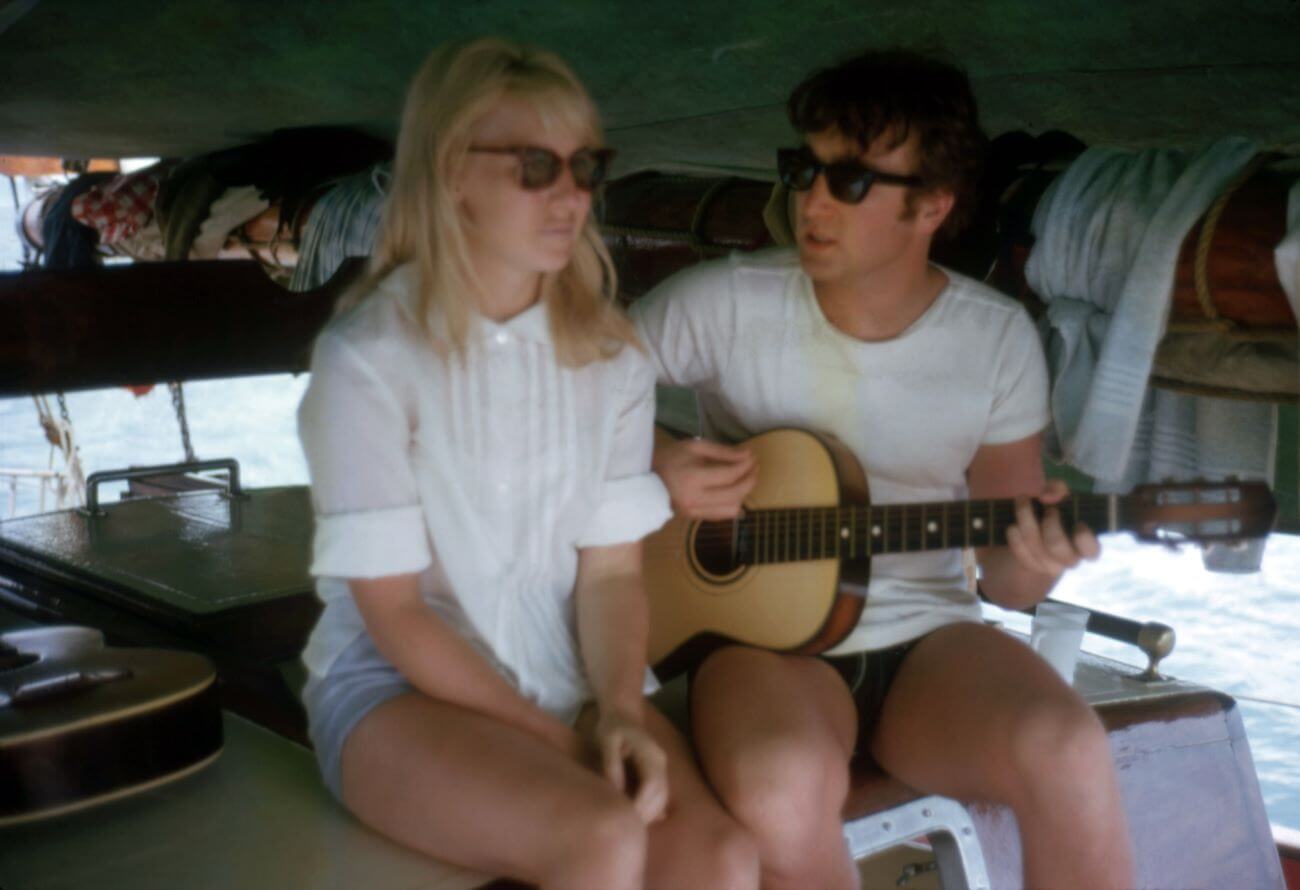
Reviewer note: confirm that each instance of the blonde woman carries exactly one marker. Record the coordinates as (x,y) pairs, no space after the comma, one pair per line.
(478,429)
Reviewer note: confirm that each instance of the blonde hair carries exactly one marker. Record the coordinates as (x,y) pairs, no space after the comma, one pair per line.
(456,86)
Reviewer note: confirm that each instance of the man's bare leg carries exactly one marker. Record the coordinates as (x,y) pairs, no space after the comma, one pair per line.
(774,735)
(974,714)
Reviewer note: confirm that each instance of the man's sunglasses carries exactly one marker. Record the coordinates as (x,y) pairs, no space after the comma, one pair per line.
(540,167)
(848,181)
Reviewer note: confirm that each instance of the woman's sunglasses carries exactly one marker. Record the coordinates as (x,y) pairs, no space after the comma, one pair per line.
(540,167)
(848,181)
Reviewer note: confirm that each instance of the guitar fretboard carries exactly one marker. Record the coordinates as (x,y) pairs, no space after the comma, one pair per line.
(850,532)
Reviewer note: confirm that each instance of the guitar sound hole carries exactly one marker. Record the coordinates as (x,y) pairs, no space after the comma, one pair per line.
(718,549)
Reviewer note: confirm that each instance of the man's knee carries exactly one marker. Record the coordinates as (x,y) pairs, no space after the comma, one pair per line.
(1060,740)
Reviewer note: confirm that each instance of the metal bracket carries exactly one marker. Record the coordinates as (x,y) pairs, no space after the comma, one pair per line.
(229,464)
(947,825)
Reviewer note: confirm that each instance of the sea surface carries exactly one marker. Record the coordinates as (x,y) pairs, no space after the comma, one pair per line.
(1237,633)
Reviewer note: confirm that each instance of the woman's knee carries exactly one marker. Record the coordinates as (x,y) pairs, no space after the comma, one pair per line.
(601,834)
(733,860)
(721,855)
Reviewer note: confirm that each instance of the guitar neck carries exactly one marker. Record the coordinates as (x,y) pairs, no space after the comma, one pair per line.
(856,532)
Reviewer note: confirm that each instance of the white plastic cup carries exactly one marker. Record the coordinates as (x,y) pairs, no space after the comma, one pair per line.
(1056,633)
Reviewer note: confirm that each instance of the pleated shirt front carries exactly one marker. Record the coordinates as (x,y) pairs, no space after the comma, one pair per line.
(483,473)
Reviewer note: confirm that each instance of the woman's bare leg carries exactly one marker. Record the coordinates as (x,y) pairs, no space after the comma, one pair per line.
(698,844)
(775,734)
(470,790)
(974,714)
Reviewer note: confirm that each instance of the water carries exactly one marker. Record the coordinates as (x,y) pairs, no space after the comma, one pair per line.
(1237,633)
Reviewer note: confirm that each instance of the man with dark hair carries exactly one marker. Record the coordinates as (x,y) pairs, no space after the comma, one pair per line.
(938,386)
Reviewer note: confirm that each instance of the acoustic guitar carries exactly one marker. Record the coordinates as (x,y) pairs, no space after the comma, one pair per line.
(791,574)
(82,723)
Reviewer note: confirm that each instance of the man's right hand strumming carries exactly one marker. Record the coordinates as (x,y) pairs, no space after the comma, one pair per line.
(706,480)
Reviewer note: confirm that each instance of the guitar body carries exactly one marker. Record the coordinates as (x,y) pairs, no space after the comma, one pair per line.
(82,723)
(699,598)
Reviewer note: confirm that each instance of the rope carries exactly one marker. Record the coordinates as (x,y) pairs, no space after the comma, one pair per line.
(1267,701)
(693,236)
(1213,321)
(1229,328)
(178,404)
(59,433)
(1220,392)
(706,201)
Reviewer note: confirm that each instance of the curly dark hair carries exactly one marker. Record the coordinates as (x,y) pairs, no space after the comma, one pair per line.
(894,93)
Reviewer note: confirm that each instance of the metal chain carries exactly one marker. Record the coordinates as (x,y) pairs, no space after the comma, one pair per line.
(178,403)
(63,410)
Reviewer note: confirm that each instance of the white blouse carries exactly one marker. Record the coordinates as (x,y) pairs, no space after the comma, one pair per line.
(484,474)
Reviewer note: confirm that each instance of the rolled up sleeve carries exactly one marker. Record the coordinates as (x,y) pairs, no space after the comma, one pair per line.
(356,436)
(633,501)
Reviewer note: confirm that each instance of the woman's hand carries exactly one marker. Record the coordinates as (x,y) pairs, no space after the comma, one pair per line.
(1042,546)
(706,480)
(633,763)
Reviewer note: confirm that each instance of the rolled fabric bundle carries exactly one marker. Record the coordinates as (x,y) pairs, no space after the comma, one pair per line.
(1109,232)
(343,222)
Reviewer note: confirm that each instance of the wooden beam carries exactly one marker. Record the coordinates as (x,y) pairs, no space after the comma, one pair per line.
(154,322)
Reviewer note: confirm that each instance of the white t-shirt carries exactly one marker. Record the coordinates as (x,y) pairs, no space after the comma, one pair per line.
(747,334)
(484,475)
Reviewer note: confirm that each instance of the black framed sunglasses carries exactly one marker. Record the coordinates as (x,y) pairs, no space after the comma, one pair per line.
(540,167)
(847,181)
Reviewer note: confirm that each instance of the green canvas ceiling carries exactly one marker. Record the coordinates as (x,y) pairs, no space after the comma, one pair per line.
(680,83)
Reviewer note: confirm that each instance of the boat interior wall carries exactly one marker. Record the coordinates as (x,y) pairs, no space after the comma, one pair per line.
(679,83)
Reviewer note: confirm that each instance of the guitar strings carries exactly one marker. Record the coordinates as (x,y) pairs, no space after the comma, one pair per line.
(802,533)
(781,521)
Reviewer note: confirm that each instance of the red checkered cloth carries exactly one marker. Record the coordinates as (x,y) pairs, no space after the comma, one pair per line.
(119,207)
